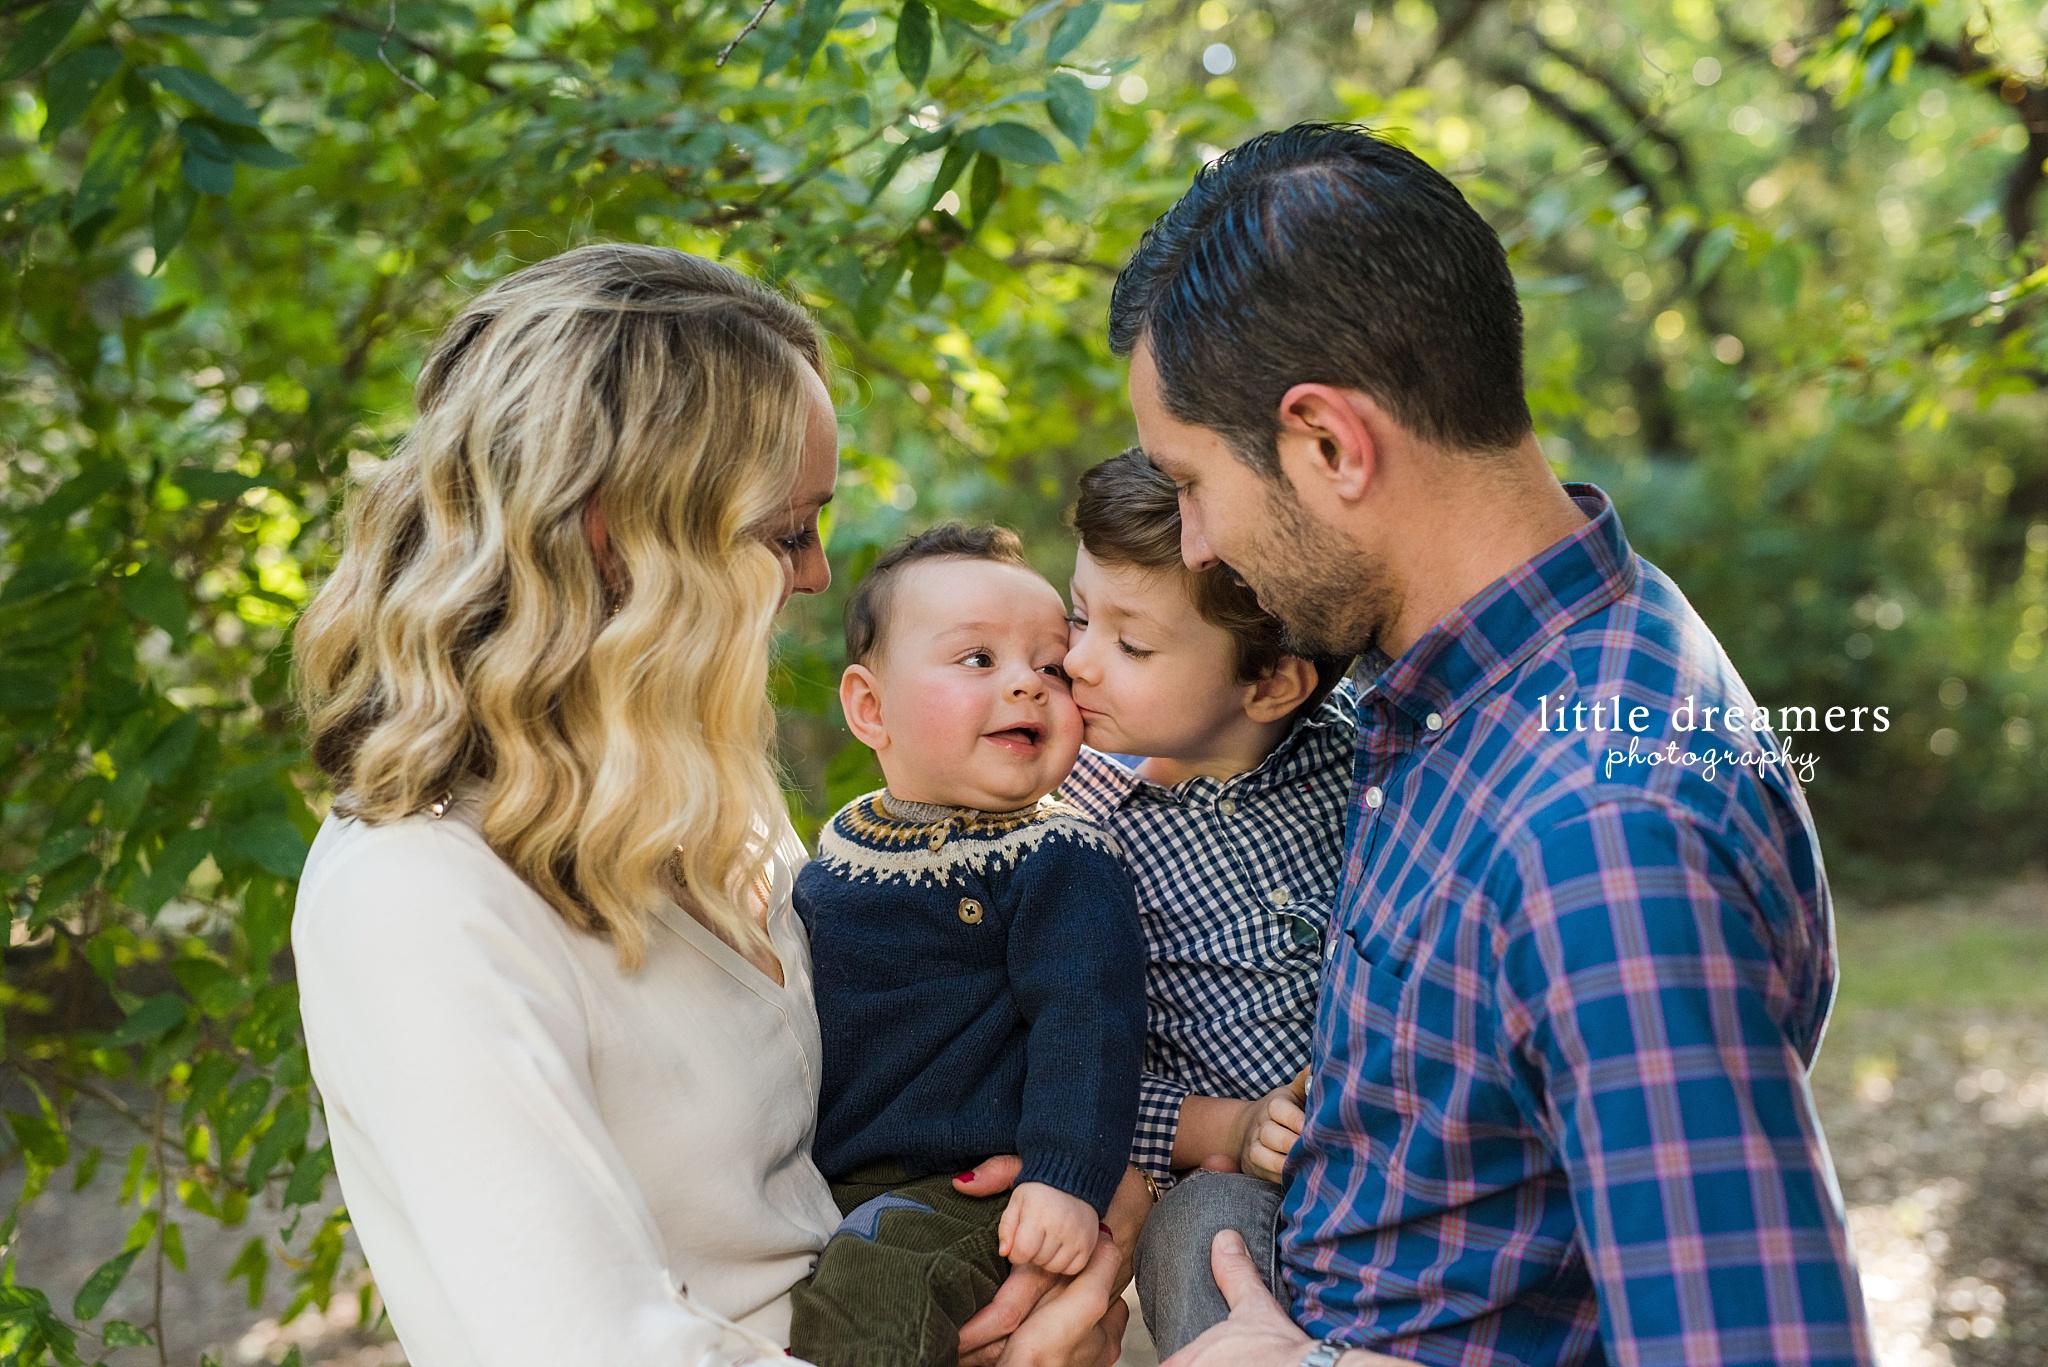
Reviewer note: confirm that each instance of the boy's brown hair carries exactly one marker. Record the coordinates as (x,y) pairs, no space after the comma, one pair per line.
(867,607)
(1129,514)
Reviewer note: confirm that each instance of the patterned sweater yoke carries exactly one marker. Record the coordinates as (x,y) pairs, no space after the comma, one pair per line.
(884,839)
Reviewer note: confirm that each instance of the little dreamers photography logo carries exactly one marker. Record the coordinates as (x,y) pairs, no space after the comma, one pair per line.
(1693,734)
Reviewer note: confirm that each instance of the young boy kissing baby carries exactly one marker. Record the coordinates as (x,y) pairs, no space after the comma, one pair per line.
(979,970)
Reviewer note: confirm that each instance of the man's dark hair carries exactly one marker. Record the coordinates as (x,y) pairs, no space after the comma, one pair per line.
(867,607)
(1324,254)
(1129,514)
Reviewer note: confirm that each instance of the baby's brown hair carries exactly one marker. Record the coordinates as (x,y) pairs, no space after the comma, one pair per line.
(867,607)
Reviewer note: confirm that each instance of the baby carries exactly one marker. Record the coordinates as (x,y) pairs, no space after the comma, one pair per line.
(980,975)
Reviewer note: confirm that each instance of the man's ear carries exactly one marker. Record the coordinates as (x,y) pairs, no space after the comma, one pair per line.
(1327,438)
(1281,693)
(860,698)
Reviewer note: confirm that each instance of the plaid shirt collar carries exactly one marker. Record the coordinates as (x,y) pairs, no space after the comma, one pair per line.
(1460,659)
(1101,784)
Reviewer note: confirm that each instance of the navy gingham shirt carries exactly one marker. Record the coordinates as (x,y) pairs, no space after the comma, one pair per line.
(1235,882)
(1560,1112)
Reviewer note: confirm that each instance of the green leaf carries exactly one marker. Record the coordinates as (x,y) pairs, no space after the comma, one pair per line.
(970,12)
(173,1240)
(1071,106)
(122,1334)
(209,1079)
(881,286)
(237,1114)
(207,175)
(153,594)
(105,1280)
(202,90)
(116,155)
(271,842)
(213,485)
(39,36)
(927,273)
(816,22)
(253,1262)
(60,849)
(191,26)
(172,747)
(1016,142)
(171,867)
(251,148)
(170,217)
(158,1016)
(88,1168)
(70,85)
(985,187)
(40,1138)
(1714,249)
(888,172)
(309,1178)
(955,161)
(914,42)
(1074,26)
(288,1128)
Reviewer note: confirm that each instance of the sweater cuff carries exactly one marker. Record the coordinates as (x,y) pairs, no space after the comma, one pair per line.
(1091,1182)
(1159,1102)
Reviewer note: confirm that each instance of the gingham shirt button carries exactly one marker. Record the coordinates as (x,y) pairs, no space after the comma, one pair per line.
(1227,807)
(1280,897)
(1373,796)
(1434,721)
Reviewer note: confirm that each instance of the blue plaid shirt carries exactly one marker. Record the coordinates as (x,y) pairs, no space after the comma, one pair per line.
(1560,1111)
(1235,883)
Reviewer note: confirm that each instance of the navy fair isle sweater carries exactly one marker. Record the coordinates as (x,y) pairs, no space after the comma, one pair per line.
(980,980)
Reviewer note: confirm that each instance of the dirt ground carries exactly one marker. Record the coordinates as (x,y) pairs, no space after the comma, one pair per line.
(1932,1085)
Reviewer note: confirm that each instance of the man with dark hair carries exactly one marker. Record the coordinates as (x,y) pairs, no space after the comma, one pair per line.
(1558,1108)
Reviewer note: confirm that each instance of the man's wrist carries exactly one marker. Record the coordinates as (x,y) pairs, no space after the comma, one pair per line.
(1323,1353)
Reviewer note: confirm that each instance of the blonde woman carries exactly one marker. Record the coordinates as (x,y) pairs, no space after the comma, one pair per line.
(557,1003)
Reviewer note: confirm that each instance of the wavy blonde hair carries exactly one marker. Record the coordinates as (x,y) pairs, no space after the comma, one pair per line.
(622,734)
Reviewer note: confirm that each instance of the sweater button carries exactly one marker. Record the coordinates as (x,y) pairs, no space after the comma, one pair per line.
(970,911)
(937,839)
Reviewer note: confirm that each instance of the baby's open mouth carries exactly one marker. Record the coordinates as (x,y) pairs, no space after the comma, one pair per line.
(1023,737)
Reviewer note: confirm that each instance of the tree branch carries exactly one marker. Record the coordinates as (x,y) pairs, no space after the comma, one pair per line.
(343,19)
(1647,123)
(1585,125)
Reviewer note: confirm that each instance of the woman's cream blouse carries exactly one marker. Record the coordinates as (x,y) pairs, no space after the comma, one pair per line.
(550,1161)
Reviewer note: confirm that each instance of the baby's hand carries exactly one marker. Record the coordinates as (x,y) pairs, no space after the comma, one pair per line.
(1048,1228)
(1269,1128)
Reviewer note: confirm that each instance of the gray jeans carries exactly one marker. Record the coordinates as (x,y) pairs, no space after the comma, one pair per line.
(1176,1286)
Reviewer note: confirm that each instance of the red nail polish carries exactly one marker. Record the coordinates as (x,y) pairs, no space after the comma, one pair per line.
(1105,1229)
(963,1177)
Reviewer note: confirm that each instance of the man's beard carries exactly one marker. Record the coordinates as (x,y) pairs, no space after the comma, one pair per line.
(1331,598)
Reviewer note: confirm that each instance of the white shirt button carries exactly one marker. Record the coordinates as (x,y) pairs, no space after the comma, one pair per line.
(1227,807)
(1280,897)
(1434,721)
(1373,796)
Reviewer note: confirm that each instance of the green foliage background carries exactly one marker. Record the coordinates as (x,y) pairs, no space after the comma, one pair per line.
(1780,264)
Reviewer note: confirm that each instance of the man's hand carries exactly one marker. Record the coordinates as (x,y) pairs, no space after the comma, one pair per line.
(1048,1228)
(1269,1128)
(1080,1324)
(1258,1332)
